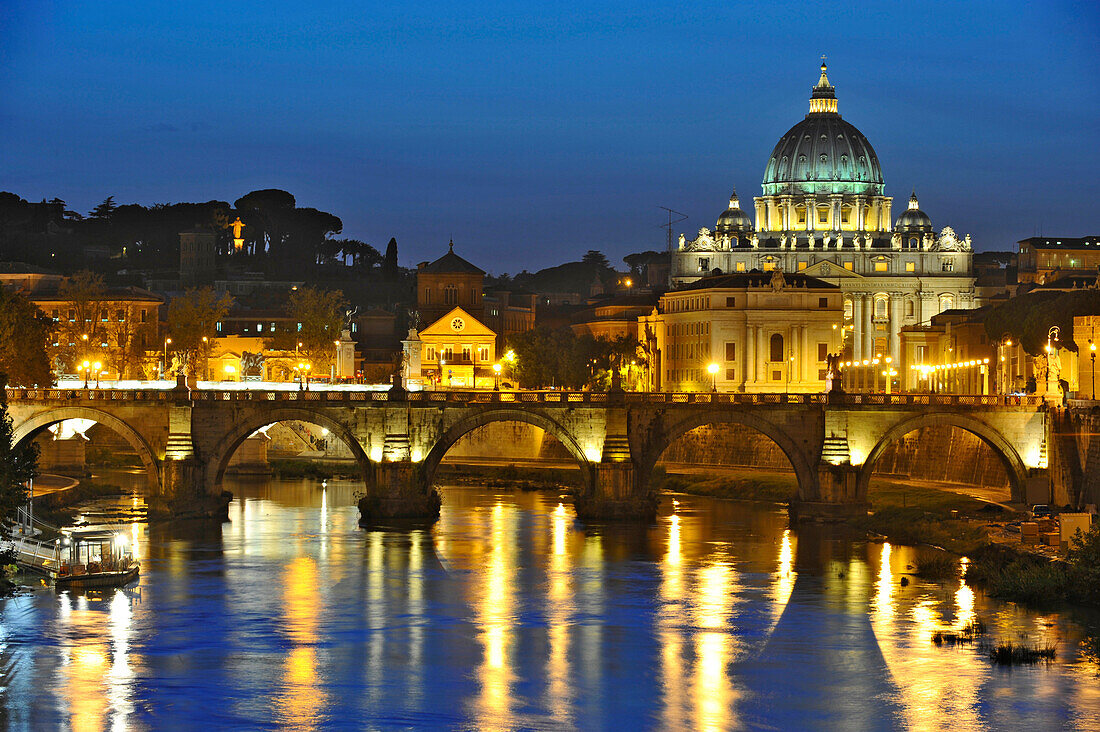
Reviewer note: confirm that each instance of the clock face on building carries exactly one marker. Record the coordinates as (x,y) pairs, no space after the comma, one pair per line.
(458,324)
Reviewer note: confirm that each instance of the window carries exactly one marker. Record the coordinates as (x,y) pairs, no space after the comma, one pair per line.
(466,350)
(910,266)
(847,308)
(354,327)
(448,353)
(731,351)
(823,216)
(450,295)
(822,374)
(909,308)
(299,327)
(740,267)
(775,347)
(880,307)
(731,302)
(704,264)
(822,351)
(823,302)
(72,316)
(777,375)
(272,327)
(768,265)
(259,327)
(103,315)
(848,265)
(218,326)
(427,296)
(144,315)
(801,264)
(880,266)
(731,374)
(482,353)
(121,315)
(801,215)
(845,214)
(912,242)
(429,353)
(948,265)
(56,314)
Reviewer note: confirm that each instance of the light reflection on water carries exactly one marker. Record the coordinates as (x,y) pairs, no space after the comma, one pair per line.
(508,613)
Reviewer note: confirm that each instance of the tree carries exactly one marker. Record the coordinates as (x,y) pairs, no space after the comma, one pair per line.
(17,466)
(317,317)
(389,261)
(80,329)
(25,332)
(192,317)
(596,260)
(104,210)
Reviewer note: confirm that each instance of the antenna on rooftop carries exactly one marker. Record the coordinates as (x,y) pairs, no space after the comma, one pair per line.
(668,226)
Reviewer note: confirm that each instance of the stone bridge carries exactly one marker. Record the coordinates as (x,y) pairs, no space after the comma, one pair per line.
(186,437)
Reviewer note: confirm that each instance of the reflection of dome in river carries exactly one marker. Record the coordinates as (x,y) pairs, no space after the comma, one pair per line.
(823,153)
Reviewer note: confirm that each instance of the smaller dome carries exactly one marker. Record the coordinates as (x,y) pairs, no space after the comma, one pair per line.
(913,219)
(733,219)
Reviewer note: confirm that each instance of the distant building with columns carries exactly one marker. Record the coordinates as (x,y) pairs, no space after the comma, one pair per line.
(823,213)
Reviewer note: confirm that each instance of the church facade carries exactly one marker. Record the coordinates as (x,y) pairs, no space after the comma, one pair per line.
(823,213)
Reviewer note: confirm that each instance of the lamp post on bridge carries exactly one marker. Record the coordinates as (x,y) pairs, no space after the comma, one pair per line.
(1092,356)
(712,369)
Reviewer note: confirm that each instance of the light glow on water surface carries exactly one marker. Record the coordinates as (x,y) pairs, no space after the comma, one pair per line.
(509,613)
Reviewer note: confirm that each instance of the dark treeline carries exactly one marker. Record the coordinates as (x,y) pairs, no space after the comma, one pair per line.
(279,237)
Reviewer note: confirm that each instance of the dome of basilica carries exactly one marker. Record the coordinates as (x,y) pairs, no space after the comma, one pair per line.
(733,219)
(913,220)
(823,153)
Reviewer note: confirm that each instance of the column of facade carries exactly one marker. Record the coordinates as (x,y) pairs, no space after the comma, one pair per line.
(746,354)
(895,325)
(868,327)
(811,213)
(859,213)
(809,359)
(761,355)
(791,218)
(857,326)
(761,216)
(835,215)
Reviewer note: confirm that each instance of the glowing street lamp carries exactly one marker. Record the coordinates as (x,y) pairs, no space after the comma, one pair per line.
(1092,355)
(98,366)
(712,369)
(85,367)
(164,369)
(496,376)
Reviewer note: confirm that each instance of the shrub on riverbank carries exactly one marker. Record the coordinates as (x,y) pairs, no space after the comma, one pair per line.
(744,485)
(938,566)
(318,469)
(916,526)
(1009,574)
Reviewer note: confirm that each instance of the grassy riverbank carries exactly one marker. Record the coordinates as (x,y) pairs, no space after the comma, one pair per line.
(745,485)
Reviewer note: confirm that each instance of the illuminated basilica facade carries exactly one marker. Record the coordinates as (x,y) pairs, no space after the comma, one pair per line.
(823,212)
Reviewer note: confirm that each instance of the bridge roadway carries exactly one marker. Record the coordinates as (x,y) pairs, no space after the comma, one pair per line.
(186,437)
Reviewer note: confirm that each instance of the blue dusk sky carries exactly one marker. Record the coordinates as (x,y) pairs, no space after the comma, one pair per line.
(531,132)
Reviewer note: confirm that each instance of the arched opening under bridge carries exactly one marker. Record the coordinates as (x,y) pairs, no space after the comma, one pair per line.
(508,446)
(289,442)
(732,455)
(74,440)
(940,462)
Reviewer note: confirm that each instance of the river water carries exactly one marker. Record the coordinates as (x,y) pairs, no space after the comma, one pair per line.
(508,613)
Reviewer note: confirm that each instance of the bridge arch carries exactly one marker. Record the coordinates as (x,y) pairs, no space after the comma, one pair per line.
(33,426)
(1014,465)
(803,470)
(242,430)
(468,424)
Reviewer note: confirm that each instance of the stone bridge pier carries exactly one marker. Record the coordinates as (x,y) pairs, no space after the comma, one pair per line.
(186,438)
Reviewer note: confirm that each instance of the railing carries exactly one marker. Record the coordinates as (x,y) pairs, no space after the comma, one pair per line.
(40,555)
(527,397)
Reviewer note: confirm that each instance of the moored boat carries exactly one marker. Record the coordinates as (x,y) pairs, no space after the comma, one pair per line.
(95,556)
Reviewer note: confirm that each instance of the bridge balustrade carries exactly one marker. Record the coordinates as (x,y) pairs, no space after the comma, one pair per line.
(531,397)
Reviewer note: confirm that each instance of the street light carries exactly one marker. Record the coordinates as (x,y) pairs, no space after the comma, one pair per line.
(85,368)
(98,366)
(164,369)
(1092,355)
(496,376)
(712,369)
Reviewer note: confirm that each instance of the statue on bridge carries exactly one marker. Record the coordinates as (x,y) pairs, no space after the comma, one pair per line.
(834,375)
